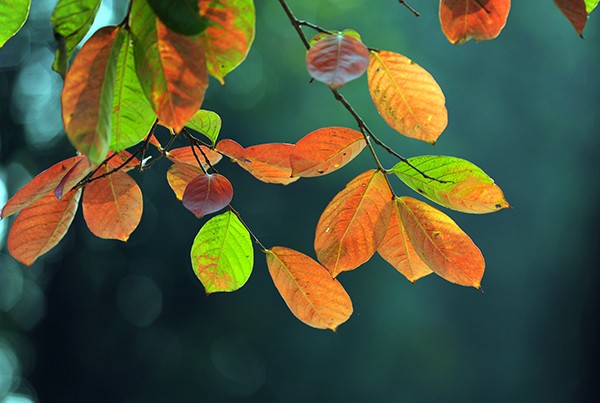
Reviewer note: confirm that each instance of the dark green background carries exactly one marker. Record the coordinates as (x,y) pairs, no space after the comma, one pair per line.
(102,321)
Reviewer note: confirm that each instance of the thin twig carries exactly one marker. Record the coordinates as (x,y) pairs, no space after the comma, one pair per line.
(256,240)
(192,144)
(412,10)
(314,26)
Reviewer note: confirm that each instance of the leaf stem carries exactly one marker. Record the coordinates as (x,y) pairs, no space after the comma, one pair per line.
(256,240)
(409,7)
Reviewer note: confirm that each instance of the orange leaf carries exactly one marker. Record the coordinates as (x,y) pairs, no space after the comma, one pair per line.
(120,159)
(231,149)
(308,289)
(325,150)
(112,206)
(398,251)
(407,96)
(186,156)
(463,20)
(575,11)
(39,186)
(79,171)
(337,59)
(179,175)
(442,245)
(41,226)
(207,194)
(88,94)
(171,67)
(354,223)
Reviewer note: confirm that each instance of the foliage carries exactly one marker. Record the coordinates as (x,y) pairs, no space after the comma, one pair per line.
(153,69)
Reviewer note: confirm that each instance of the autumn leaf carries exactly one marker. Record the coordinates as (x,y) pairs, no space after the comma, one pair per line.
(179,175)
(222,254)
(76,174)
(123,161)
(308,289)
(186,155)
(206,122)
(88,94)
(39,186)
(407,96)
(463,20)
(71,21)
(112,206)
(181,16)
(397,250)
(171,67)
(442,245)
(207,193)
(354,223)
(12,17)
(232,149)
(575,11)
(229,35)
(325,150)
(41,226)
(337,59)
(452,182)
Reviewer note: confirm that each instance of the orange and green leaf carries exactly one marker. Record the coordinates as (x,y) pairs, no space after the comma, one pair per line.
(407,96)
(171,67)
(308,289)
(440,242)
(397,250)
(575,11)
(206,122)
(325,150)
(354,223)
(480,20)
(41,226)
(222,254)
(452,182)
(87,94)
(207,193)
(179,175)
(229,35)
(337,59)
(112,206)
(181,16)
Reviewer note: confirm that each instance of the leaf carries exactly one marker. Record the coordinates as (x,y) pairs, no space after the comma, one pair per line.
(590,5)
(463,20)
(575,11)
(73,176)
(179,175)
(229,35)
(171,67)
(325,150)
(132,114)
(397,250)
(207,193)
(337,59)
(407,96)
(206,122)
(122,161)
(181,16)
(71,21)
(41,226)
(354,223)
(452,182)
(12,18)
(222,254)
(112,206)
(42,184)
(308,289)
(186,155)
(231,149)
(88,94)
(442,245)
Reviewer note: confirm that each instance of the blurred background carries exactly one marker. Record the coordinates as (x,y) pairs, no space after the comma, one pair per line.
(103,321)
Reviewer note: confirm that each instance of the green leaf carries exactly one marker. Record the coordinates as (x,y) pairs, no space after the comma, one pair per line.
(452,182)
(222,254)
(12,17)
(132,115)
(590,5)
(206,122)
(181,16)
(72,20)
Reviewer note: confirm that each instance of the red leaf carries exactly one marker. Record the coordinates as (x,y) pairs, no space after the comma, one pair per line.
(179,175)
(39,186)
(186,156)
(207,194)
(463,20)
(354,223)
(337,59)
(325,150)
(112,206)
(575,12)
(41,226)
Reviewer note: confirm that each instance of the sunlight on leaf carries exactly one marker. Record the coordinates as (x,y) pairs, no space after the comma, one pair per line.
(207,193)
(206,122)
(222,254)
(186,156)
(590,5)
(308,289)
(12,17)
(463,20)
(179,175)
(78,172)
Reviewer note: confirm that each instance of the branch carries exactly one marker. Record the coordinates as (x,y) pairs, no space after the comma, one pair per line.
(412,10)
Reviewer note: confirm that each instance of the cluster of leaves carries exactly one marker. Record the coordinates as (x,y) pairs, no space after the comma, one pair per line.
(153,69)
